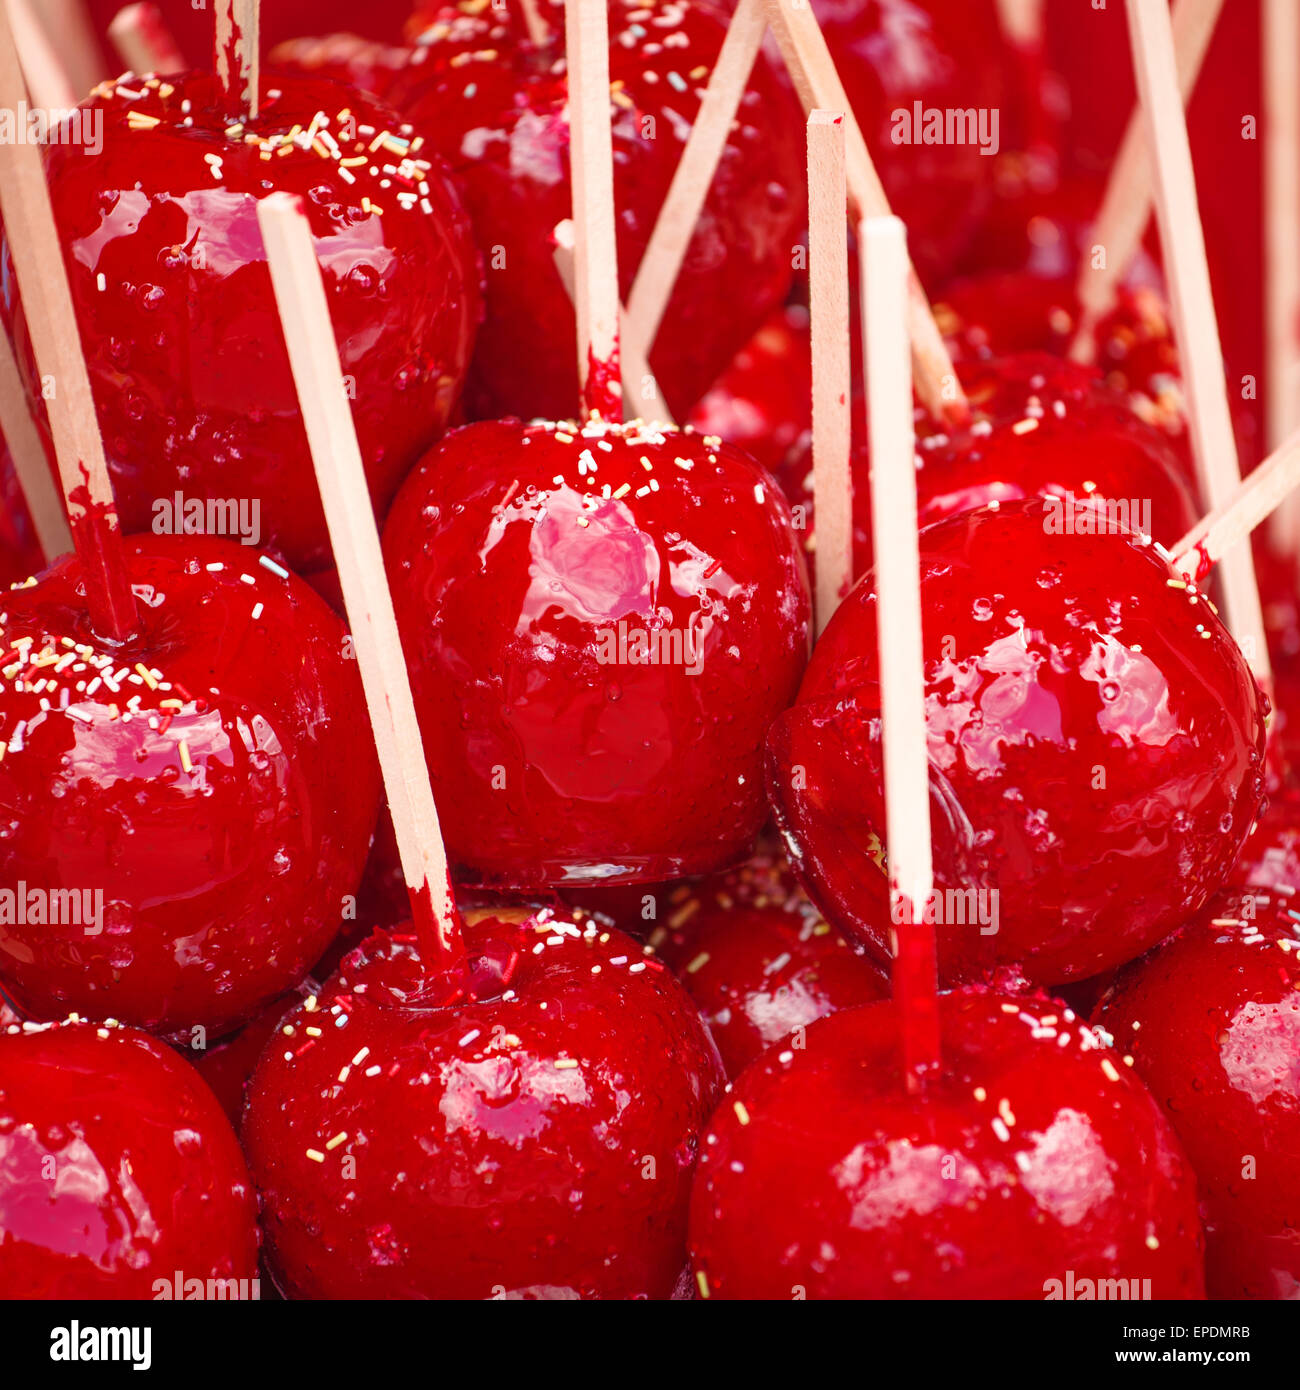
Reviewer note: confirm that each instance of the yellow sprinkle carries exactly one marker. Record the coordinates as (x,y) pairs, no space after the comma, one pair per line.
(698,963)
(338,1139)
(566,1063)
(184,750)
(315,1155)
(1024,426)
(143,672)
(1109,1068)
(702,1283)
(741,1113)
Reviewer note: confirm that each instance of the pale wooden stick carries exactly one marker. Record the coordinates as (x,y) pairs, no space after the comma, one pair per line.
(832,384)
(1216,535)
(143,42)
(52,322)
(1213,443)
(44,504)
(595,266)
(813,73)
(238,53)
(636,367)
(539,32)
(1280,32)
(318,375)
(47,80)
(1126,207)
(882,248)
(675,225)
(68,25)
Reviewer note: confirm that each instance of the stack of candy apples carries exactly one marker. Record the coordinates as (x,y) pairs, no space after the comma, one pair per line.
(465,835)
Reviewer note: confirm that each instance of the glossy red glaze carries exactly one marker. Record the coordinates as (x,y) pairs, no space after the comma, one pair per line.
(762,403)
(758,958)
(1040,427)
(534,569)
(495,108)
(1270,858)
(224,881)
(20,553)
(1024,1162)
(1095,738)
(117,1170)
(1212,1020)
(945,54)
(535,1141)
(186,356)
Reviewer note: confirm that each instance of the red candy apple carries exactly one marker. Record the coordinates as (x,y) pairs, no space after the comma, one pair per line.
(1212,1020)
(600,622)
(20,552)
(1031,1166)
(535,1139)
(494,106)
(1096,746)
(186,811)
(118,1171)
(759,960)
(174,301)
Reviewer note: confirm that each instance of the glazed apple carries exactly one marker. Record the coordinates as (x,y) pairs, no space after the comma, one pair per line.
(534,1137)
(600,623)
(178,849)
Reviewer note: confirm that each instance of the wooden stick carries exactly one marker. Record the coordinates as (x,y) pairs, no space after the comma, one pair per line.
(67,24)
(595,266)
(1021,21)
(882,249)
(1213,443)
(1126,208)
(812,70)
(539,32)
(636,368)
(1216,535)
(52,322)
(660,266)
(1280,33)
(47,80)
(44,504)
(238,54)
(143,41)
(832,412)
(313,354)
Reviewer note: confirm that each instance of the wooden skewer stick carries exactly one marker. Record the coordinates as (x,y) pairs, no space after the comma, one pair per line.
(675,225)
(52,322)
(238,54)
(1126,208)
(47,80)
(539,32)
(639,384)
(143,42)
(832,384)
(318,374)
(1216,535)
(1213,443)
(24,441)
(812,70)
(882,249)
(595,265)
(67,24)
(1280,32)
(1021,21)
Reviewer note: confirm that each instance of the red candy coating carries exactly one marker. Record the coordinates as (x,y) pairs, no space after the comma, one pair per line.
(536,1140)
(1212,1020)
(1095,739)
(186,356)
(214,779)
(495,108)
(759,960)
(600,626)
(1024,1162)
(117,1169)
(20,552)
